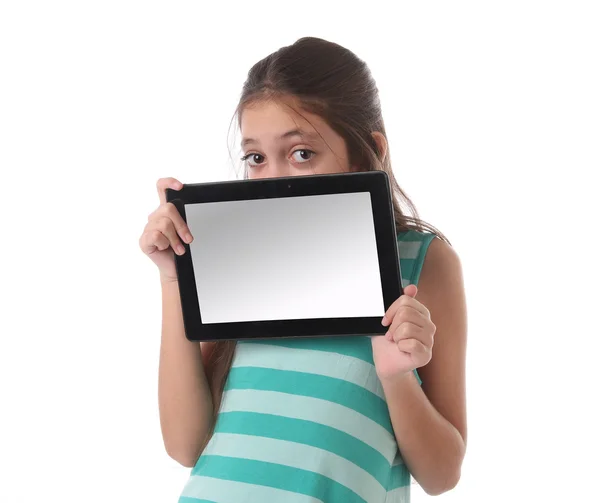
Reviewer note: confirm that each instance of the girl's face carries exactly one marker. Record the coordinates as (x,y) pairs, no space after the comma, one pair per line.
(278,141)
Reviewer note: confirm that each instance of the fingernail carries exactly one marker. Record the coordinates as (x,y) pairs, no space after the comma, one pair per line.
(180,249)
(384,321)
(188,238)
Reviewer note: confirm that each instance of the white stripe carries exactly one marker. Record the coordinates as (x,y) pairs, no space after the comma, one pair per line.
(310,361)
(229,491)
(295,455)
(315,410)
(399,495)
(409,249)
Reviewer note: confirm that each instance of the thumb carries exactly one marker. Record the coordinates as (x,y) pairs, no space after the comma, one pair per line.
(411,290)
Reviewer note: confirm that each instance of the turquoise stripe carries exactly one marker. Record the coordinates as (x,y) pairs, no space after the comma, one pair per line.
(405,235)
(307,433)
(299,456)
(314,410)
(406,268)
(326,388)
(186,499)
(418,377)
(400,477)
(354,346)
(277,476)
(410,235)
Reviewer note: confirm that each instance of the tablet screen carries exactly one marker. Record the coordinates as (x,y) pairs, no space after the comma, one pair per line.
(287,258)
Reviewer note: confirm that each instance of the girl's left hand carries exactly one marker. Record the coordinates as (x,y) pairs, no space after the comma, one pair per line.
(409,340)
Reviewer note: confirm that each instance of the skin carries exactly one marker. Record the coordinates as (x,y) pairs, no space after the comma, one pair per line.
(427,327)
(184,398)
(315,149)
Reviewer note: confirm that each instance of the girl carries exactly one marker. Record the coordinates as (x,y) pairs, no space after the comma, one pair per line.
(337,419)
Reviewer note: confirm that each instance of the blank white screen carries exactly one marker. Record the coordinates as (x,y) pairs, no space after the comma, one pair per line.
(286,258)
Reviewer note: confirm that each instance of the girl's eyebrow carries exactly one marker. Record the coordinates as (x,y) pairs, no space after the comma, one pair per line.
(293,132)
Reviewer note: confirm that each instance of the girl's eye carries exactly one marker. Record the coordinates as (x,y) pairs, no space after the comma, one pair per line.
(253,159)
(303,155)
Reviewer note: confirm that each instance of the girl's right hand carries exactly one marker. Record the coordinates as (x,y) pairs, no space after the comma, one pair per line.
(164,231)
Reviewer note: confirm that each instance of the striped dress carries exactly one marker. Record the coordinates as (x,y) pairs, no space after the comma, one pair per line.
(305,421)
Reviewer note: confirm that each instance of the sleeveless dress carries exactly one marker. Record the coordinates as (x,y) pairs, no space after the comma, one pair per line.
(305,421)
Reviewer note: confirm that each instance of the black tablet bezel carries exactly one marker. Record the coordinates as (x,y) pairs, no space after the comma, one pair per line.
(374,182)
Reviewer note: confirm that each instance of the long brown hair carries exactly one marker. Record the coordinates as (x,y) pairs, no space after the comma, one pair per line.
(332,82)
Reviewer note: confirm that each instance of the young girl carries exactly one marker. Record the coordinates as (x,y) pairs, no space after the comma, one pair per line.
(335,419)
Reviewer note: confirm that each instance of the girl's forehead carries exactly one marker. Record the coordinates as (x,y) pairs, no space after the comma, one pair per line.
(273,119)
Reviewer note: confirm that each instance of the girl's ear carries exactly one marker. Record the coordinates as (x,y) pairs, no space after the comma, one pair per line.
(382,145)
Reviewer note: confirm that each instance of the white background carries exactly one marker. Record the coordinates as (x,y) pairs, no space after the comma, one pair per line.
(492,110)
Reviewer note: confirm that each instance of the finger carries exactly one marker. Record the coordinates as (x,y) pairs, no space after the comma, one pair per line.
(165,225)
(407,314)
(407,330)
(170,211)
(403,300)
(389,314)
(153,240)
(167,183)
(411,290)
(412,346)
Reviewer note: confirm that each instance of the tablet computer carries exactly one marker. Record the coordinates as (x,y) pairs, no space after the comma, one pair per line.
(313,255)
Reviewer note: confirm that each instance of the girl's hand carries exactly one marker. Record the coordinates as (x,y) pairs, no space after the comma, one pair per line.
(163,231)
(409,340)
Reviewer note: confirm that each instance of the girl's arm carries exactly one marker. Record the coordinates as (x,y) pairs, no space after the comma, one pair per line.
(430,421)
(185,403)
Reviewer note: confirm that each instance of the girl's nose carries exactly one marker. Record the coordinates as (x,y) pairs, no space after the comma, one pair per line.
(277,169)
